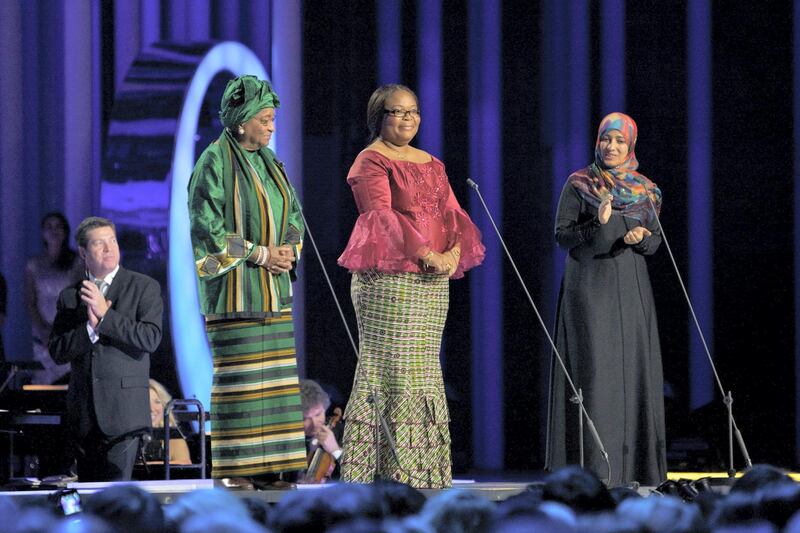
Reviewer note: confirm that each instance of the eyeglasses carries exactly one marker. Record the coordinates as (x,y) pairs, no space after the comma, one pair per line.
(402,113)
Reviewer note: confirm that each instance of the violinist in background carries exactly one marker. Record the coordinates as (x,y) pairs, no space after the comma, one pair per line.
(321,439)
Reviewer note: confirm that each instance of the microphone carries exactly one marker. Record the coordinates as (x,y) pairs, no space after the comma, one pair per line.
(578,398)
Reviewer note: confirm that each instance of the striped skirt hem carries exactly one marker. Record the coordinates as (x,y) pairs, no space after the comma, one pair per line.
(256,418)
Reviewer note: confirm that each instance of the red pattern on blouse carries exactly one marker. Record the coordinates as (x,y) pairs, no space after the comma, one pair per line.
(405,207)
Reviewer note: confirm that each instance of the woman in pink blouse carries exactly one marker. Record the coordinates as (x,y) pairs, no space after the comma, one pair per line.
(411,237)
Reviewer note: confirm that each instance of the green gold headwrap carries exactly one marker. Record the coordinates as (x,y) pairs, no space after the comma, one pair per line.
(243,98)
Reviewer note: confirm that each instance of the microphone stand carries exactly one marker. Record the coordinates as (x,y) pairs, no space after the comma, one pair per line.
(11,373)
(372,397)
(733,429)
(578,396)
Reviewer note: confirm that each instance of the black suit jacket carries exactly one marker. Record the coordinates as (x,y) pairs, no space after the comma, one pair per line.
(113,373)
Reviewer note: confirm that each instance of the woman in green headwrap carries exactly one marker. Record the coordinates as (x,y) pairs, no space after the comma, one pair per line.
(247,235)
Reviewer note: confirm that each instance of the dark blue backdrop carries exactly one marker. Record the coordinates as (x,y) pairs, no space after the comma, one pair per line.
(511,94)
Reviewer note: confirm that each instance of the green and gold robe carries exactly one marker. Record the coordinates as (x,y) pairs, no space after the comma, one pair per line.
(232,208)
(237,200)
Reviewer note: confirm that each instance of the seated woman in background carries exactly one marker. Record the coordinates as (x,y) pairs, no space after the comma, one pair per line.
(154,450)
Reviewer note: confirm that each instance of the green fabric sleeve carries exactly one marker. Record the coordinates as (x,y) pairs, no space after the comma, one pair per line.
(217,249)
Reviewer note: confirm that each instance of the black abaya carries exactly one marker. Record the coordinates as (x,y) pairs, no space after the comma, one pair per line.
(606,331)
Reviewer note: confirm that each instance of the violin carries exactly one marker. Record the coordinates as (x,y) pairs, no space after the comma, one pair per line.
(320,462)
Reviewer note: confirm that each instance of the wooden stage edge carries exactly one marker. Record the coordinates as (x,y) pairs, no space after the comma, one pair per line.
(169,491)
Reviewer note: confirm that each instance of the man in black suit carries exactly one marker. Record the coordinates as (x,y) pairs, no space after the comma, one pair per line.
(107,326)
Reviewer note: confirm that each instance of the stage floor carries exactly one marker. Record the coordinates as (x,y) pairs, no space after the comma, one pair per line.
(499,490)
(168,491)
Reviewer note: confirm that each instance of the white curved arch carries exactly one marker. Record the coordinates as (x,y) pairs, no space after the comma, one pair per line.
(192,354)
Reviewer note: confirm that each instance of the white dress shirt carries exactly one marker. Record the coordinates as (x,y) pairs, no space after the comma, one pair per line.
(93,335)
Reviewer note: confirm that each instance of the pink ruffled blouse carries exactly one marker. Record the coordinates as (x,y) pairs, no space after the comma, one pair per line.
(405,207)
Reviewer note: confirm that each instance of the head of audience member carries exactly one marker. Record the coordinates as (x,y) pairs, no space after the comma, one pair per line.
(159,398)
(204,502)
(55,235)
(578,489)
(308,512)
(526,502)
(357,525)
(538,515)
(248,111)
(794,524)
(259,509)
(620,494)
(753,526)
(666,513)
(8,509)
(707,502)
(381,123)
(85,523)
(458,511)
(399,499)
(30,519)
(409,524)
(97,245)
(221,522)
(758,477)
(778,502)
(530,523)
(349,501)
(606,522)
(736,508)
(301,512)
(314,402)
(127,508)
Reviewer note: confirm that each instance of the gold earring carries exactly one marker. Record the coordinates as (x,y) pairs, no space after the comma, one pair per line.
(241,130)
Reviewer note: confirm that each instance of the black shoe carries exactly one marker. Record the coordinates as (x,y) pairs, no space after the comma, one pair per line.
(633,485)
(277,484)
(61,480)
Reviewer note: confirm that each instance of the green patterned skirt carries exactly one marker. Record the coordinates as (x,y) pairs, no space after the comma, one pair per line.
(256,418)
(400,323)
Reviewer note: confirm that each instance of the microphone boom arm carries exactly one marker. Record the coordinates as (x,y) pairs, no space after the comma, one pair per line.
(578,396)
(733,429)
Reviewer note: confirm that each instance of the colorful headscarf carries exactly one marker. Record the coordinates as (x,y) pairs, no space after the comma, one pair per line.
(629,188)
(243,98)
